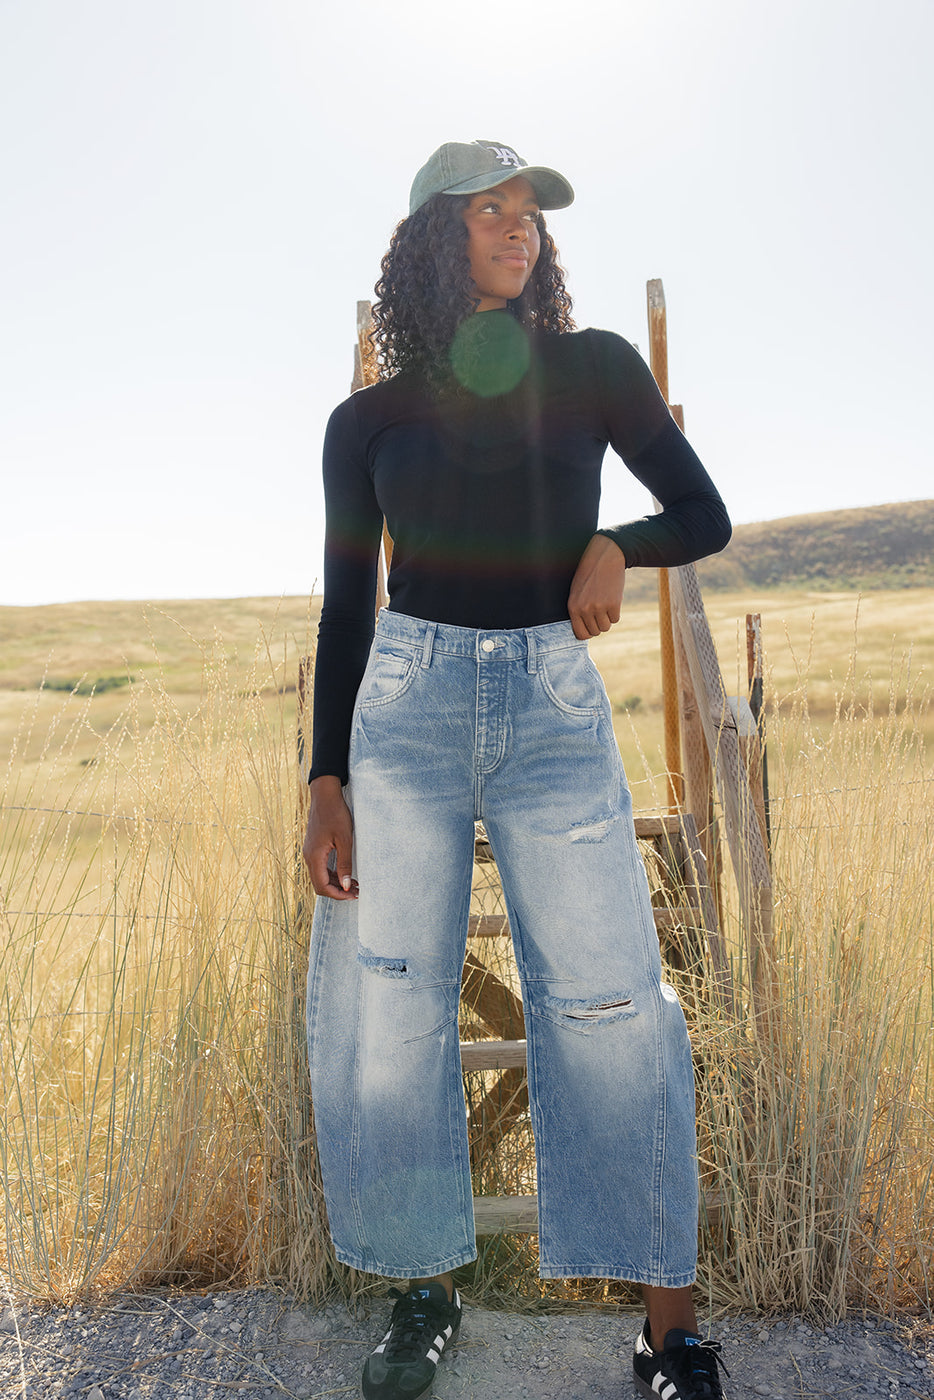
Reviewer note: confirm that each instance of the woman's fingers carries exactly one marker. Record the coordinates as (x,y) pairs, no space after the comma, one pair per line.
(596,596)
(328,845)
(591,624)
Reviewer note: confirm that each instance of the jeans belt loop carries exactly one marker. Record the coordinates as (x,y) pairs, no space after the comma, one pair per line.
(532,653)
(428,643)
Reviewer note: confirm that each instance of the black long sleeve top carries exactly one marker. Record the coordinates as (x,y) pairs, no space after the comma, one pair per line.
(491,495)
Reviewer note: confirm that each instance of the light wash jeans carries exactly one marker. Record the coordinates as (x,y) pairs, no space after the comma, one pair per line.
(514,728)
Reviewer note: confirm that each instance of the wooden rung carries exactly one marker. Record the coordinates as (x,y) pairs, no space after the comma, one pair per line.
(668,917)
(657,826)
(488,926)
(492,1054)
(518,1215)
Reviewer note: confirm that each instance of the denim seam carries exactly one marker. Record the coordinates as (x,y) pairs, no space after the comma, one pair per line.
(628,1273)
(353,1192)
(435,1029)
(650,947)
(367,1264)
(457,1114)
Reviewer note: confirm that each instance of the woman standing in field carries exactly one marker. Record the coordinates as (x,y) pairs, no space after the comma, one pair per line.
(482,446)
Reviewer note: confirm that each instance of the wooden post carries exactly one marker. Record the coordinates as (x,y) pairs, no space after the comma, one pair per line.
(745,838)
(658,361)
(698,776)
(658,333)
(757,708)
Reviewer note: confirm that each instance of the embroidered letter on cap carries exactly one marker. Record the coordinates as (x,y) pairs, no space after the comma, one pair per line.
(506,156)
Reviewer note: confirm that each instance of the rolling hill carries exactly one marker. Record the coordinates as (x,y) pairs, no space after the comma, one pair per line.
(890,546)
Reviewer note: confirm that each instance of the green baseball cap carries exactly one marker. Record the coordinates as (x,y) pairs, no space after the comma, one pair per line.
(466,167)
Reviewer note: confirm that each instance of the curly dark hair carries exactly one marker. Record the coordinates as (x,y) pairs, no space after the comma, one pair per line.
(426,291)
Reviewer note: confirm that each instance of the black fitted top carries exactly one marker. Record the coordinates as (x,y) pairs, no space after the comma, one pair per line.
(491,495)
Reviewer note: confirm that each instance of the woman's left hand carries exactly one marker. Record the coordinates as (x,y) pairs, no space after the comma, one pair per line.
(597,588)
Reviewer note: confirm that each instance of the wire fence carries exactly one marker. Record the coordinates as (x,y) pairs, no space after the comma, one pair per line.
(775,799)
(119,816)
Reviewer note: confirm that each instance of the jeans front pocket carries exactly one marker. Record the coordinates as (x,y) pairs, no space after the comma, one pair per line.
(389,673)
(572,682)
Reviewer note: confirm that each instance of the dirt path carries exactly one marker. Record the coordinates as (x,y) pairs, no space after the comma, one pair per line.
(258,1344)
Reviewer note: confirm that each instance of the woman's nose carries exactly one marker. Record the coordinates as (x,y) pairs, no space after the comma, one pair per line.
(518,229)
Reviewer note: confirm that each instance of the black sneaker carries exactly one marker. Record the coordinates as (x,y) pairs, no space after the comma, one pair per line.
(403,1365)
(686,1368)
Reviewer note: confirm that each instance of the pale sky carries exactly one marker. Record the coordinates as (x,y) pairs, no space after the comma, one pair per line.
(195,193)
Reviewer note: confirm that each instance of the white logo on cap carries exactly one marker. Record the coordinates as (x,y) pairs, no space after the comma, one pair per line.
(506,156)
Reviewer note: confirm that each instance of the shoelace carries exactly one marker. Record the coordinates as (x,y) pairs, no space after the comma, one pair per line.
(697,1363)
(408,1325)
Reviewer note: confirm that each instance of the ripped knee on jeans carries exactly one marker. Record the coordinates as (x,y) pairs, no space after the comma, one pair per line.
(593,832)
(393,968)
(591,1009)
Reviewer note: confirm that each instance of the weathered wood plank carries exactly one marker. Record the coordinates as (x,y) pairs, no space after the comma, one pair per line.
(747,847)
(722,980)
(673,916)
(518,1215)
(488,926)
(492,1054)
(662,825)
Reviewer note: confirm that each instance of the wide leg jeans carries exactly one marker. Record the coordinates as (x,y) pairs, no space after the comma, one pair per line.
(512,728)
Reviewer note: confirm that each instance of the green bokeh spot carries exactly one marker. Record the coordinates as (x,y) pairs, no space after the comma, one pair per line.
(489,353)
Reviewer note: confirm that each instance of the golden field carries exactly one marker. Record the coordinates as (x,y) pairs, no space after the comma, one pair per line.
(817,644)
(154,930)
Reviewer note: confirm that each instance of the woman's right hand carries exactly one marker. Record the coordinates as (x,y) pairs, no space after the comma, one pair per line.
(329,829)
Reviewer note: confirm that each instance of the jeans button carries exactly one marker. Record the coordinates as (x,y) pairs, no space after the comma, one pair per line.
(488,645)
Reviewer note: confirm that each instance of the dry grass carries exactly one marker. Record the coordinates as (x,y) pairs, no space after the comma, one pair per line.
(155,1115)
(820,1143)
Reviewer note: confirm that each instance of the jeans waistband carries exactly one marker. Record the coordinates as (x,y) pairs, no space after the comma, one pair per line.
(510,644)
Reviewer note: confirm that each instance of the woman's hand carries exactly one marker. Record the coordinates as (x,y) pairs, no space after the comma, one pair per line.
(597,588)
(330,828)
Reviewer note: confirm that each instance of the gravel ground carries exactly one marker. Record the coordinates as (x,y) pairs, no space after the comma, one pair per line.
(258,1344)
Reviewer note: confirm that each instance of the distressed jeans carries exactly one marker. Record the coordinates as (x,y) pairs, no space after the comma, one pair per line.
(513,728)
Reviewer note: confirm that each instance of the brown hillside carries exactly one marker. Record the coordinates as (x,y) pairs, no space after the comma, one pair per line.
(889,546)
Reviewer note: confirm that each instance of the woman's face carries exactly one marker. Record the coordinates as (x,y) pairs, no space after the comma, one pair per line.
(503,241)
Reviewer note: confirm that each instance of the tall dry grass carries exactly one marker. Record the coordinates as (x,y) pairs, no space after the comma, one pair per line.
(819,1141)
(155,1116)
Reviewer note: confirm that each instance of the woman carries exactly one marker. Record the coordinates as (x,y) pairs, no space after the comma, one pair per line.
(482,446)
